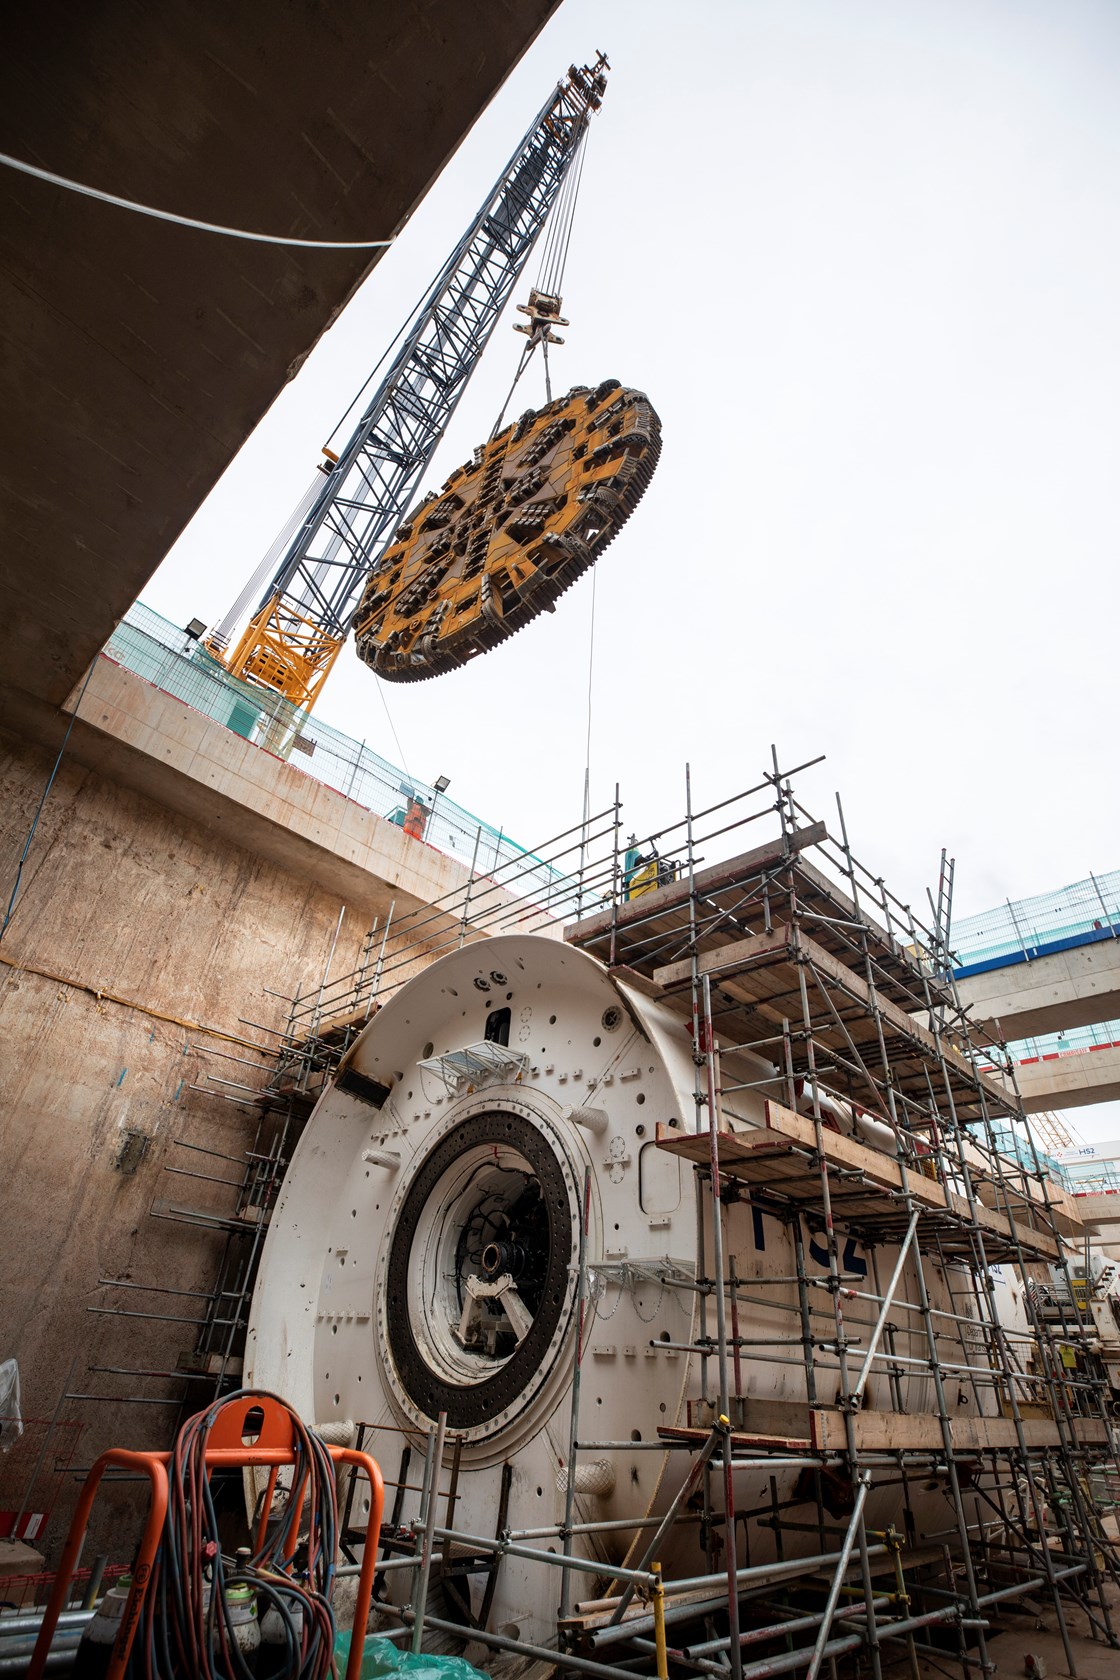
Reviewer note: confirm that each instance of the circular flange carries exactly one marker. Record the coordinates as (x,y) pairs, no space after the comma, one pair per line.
(508,533)
(496,1177)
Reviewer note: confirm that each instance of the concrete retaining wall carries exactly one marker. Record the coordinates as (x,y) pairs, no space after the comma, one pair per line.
(124,896)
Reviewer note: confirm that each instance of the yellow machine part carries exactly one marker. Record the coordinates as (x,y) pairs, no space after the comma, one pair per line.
(285,652)
(508,533)
(644,880)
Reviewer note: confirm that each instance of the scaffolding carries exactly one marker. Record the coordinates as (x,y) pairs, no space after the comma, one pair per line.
(794,956)
(801,979)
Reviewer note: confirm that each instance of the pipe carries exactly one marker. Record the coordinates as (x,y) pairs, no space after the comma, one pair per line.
(794,1659)
(577,1374)
(778,1630)
(56,1660)
(612,1635)
(555,1659)
(856,1396)
(660,1647)
(421,1588)
(854,1526)
(590,1566)
(29,1621)
(69,1640)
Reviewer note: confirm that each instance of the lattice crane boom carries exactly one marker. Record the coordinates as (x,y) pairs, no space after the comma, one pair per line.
(293,638)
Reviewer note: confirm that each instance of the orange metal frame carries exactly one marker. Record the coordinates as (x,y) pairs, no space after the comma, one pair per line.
(227,1449)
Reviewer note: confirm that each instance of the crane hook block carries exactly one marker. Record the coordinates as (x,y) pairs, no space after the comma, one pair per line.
(508,533)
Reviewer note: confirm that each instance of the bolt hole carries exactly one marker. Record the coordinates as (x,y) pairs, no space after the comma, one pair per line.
(641,1097)
(635,1434)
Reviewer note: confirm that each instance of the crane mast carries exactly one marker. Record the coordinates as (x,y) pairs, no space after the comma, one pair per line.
(293,638)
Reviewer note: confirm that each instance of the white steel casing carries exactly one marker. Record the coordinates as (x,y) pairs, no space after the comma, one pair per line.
(404,1156)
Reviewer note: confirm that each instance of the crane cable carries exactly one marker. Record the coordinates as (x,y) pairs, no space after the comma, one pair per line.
(550,275)
(586,823)
(554,259)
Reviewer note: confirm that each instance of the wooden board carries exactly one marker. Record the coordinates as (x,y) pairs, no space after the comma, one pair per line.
(676,896)
(756,1158)
(902,1432)
(734,958)
(886,1431)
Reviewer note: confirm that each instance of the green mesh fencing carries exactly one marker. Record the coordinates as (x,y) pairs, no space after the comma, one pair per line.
(165,656)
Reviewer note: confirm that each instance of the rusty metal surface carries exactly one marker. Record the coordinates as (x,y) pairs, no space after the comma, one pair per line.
(508,533)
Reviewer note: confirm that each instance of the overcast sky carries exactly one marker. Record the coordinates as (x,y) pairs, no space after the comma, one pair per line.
(864,257)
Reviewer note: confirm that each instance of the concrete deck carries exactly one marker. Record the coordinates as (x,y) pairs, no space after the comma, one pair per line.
(1072,988)
(136,356)
(1071,1081)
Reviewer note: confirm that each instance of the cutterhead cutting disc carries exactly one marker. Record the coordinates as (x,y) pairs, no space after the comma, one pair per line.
(508,532)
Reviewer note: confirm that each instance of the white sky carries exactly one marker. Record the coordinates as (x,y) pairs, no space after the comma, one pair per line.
(864,256)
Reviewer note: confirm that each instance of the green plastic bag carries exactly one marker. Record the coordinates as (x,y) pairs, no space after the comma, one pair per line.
(381,1658)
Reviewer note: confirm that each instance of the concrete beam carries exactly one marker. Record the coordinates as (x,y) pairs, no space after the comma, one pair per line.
(1099,1210)
(143,739)
(1074,988)
(136,356)
(1070,1081)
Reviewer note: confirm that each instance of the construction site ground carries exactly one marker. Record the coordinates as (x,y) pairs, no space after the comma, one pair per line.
(1024,1634)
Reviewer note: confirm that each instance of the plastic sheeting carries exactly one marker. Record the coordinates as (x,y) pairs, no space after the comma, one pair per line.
(380,1658)
(11,1418)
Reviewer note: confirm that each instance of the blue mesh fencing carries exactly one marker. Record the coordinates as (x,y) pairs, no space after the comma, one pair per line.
(177,663)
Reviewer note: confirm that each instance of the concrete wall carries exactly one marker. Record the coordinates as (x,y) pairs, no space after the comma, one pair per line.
(123,896)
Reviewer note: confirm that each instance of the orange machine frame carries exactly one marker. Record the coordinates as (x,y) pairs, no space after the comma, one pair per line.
(273,1447)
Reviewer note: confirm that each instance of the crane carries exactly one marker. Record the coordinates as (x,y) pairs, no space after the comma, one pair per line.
(335,537)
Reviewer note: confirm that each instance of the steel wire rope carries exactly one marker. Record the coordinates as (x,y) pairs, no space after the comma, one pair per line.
(554,260)
(189,221)
(585,823)
(393,732)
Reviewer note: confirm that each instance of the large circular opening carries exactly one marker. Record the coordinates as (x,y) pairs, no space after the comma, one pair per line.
(478,1269)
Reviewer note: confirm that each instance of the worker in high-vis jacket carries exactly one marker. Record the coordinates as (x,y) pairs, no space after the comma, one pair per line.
(415,818)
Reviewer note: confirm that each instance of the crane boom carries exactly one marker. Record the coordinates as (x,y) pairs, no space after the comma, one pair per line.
(301,623)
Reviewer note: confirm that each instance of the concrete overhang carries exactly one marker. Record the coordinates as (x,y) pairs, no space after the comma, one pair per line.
(1074,988)
(145,740)
(1070,1081)
(137,356)
(1100,1210)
